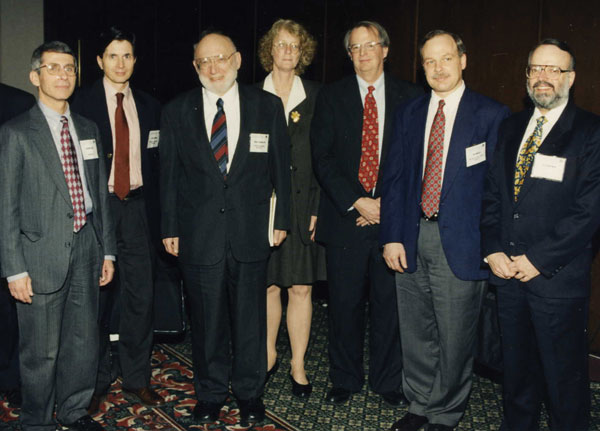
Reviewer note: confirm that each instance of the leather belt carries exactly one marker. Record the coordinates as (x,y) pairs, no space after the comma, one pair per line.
(432,218)
(131,195)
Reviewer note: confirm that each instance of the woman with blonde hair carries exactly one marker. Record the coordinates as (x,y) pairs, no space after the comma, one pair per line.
(285,51)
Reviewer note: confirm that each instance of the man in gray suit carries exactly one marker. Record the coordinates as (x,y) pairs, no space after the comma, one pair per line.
(54,231)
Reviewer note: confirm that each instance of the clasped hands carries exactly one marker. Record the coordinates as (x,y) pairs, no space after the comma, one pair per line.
(518,267)
(368,208)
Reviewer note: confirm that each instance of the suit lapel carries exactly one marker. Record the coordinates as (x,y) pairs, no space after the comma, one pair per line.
(513,142)
(417,137)
(248,116)
(462,135)
(43,141)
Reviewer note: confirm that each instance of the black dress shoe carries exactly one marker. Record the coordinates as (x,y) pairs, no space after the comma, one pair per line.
(85,423)
(409,422)
(206,412)
(299,390)
(394,399)
(251,411)
(439,427)
(338,395)
(272,371)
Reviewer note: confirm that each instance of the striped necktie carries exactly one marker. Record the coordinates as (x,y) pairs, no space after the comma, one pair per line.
(218,138)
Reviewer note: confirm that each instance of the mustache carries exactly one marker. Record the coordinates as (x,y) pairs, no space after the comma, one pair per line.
(545,83)
(439,75)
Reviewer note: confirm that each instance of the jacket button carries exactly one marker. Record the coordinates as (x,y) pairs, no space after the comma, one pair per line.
(67,244)
(512,244)
(516,216)
(222,210)
(69,215)
(225,186)
(298,191)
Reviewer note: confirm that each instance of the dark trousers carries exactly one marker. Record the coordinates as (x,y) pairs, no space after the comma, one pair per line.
(58,341)
(355,275)
(9,348)
(544,343)
(136,288)
(227,303)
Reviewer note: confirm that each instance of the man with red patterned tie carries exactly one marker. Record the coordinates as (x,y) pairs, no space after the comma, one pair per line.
(349,137)
(57,244)
(129,123)
(431,204)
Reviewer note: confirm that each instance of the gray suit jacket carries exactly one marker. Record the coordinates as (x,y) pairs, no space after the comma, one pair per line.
(36,215)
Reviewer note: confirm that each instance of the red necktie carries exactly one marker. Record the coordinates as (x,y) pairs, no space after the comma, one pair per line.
(369,159)
(432,180)
(121,176)
(71,171)
(218,138)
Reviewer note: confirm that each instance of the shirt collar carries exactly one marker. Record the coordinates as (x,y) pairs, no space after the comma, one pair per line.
(451,99)
(553,114)
(297,93)
(228,98)
(52,115)
(112,92)
(364,85)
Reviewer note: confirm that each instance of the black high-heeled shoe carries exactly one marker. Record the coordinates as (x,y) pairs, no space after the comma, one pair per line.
(272,371)
(300,390)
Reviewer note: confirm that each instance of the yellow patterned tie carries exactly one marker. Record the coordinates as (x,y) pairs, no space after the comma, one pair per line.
(527,153)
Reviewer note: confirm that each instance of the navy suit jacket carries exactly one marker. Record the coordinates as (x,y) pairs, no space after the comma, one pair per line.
(335,134)
(552,222)
(91,103)
(477,120)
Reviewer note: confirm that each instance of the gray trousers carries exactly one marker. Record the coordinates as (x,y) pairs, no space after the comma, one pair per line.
(438,324)
(58,342)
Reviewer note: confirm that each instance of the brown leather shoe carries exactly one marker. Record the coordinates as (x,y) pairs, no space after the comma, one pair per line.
(95,403)
(147,396)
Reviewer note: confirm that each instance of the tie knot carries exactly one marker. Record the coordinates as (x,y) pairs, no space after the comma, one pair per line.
(371,89)
(441,104)
(541,121)
(220,103)
(120,98)
(64,121)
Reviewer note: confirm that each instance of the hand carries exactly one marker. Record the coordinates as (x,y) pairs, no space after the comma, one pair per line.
(21,289)
(501,265)
(278,236)
(524,269)
(108,271)
(395,256)
(172,245)
(369,209)
(361,221)
(312,227)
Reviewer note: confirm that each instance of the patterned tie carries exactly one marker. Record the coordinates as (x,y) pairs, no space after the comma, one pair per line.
(527,153)
(121,174)
(218,138)
(432,179)
(68,159)
(369,158)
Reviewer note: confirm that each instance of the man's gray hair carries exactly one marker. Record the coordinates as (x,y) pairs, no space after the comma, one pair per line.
(384,39)
(54,46)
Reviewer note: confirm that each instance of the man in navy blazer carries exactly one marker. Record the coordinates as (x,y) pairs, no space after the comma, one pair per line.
(537,228)
(135,212)
(431,203)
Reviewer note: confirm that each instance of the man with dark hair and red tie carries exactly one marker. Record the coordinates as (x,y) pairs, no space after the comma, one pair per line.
(129,122)
(225,150)
(441,148)
(350,135)
(57,244)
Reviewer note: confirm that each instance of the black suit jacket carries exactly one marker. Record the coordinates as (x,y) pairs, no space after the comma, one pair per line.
(208,212)
(336,149)
(13,102)
(553,222)
(91,103)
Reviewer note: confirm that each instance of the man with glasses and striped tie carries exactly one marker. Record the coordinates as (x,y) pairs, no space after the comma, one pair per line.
(57,244)
(540,211)
(225,149)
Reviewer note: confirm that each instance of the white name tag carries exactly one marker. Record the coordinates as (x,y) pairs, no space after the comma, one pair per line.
(475,154)
(89,151)
(259,143)
(548,167)
(153,137)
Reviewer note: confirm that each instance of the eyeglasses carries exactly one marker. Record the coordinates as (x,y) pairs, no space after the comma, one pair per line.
(283,46)
(368,46)
(55,69)
(552,72)
(217,60)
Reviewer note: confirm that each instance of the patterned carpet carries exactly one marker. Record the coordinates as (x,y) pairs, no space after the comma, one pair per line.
(172,376)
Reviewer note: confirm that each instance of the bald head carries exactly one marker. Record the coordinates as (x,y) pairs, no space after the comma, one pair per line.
(217,62)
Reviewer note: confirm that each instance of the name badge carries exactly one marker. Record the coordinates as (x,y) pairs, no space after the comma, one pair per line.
(475,154)
(548,167)
(153,138)
(259,143)
(89,151)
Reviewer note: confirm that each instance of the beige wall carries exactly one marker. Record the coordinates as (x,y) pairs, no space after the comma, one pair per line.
(21,31)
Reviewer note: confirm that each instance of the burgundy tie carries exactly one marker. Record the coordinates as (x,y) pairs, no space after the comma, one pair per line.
(121,174)
(71,171)
(432,180)
(369,159)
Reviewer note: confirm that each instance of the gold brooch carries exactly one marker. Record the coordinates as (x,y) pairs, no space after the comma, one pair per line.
(295,116)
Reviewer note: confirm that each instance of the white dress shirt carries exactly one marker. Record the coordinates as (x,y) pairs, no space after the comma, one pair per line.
(231,106)
(552,117)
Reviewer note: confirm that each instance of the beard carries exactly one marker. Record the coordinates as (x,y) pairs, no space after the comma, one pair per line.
(219,87)
(549,100)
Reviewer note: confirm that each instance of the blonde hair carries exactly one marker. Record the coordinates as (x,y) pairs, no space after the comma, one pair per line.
(308,44)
